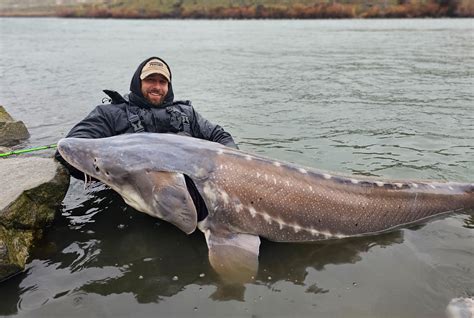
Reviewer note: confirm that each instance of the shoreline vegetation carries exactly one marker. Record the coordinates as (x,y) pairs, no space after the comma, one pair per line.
(248,9)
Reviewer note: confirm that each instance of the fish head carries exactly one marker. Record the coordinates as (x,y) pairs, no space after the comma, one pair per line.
(98,159)
(130,171)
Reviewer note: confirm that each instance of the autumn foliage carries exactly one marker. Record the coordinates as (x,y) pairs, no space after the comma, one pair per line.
(318,10)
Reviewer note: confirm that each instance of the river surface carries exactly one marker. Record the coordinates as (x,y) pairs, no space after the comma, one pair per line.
(383,98)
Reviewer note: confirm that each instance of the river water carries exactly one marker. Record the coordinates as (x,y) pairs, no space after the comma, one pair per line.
(386,98)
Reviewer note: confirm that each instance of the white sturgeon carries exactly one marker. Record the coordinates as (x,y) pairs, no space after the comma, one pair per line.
(249,196)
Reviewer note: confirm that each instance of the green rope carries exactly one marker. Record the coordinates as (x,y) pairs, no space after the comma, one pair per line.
(20,151)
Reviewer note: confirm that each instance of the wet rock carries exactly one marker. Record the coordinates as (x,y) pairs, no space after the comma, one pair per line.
(33,189)
(11,131)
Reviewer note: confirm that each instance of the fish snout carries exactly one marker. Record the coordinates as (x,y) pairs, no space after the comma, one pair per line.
(81,157)
(64,147)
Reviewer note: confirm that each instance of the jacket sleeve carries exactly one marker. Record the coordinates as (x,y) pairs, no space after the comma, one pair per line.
(95,125)
(204,129)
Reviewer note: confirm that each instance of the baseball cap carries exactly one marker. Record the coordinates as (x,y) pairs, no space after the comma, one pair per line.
(155,66)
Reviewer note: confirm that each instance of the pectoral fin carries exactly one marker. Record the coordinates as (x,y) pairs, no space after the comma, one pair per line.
(170,199)
(234,256)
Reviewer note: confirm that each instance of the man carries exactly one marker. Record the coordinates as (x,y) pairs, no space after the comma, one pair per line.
(149,107)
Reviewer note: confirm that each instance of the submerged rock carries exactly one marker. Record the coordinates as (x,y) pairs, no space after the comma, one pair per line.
(11,131)
(33,190)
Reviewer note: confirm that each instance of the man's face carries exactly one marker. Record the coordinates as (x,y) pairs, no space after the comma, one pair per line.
(155,88)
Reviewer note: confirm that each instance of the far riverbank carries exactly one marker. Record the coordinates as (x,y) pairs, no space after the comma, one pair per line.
(334,10)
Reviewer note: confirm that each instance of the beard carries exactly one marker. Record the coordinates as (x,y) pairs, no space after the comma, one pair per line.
(155,100)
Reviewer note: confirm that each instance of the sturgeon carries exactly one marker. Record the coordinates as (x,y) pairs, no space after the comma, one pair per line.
(250,196)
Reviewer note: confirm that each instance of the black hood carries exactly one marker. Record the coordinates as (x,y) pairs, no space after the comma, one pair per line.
(136,96)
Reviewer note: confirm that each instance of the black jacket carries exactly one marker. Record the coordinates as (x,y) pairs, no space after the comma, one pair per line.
(175,117)
(171,117)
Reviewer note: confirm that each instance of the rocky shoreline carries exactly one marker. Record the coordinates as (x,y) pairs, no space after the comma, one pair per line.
(33,190)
